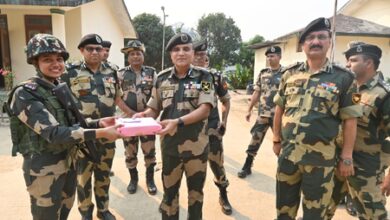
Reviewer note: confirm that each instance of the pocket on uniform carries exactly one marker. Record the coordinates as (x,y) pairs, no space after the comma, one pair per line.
(323,100)
(81,86)
(167,97)
(293,96)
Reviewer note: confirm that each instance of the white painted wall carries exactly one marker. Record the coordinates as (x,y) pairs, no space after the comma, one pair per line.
(73,32)
(377,11)
(97,18)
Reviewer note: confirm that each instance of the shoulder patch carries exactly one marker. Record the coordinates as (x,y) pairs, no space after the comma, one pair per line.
(265,70)
(30,85)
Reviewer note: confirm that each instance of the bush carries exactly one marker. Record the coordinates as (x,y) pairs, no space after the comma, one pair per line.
(240,79)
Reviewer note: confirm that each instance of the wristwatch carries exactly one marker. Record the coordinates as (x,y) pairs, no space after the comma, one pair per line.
(180,123)
(347,162)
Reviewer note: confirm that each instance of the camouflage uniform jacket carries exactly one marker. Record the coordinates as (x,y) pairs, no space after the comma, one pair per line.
(314,105)
(221,93)
(137,88)
(32,110)
(372,148)
(267,84)
(176,97)
(96,92)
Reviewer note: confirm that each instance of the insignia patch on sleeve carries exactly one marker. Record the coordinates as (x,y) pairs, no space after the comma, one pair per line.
(356,98)
(206,86)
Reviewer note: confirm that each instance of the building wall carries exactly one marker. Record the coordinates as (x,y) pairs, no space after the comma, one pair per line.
(290,56)
(17,38)
(73,32)
(105,25)
(377,11)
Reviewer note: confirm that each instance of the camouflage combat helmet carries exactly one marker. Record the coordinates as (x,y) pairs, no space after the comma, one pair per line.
(44,43)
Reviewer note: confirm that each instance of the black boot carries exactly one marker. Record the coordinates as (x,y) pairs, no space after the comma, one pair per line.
(132,187)
(106,215)
(224,201)
(349,206)
(152,189)
(246,169)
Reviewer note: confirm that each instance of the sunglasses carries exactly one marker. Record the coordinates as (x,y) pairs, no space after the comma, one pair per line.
(91,49)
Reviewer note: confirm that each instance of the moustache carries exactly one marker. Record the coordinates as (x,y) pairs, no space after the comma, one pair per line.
(315,46)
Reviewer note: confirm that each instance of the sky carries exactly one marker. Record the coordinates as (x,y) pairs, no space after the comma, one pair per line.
(268,18)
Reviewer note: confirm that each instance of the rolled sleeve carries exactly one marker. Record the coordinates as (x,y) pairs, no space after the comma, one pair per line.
(155,100)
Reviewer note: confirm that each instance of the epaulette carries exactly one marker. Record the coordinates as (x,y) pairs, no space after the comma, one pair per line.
(265,70)
(123,69)
(342,69)
(385,85)
(73,65)
(165,71)
(150,67)
(110,65)
(292,66)
(30,84)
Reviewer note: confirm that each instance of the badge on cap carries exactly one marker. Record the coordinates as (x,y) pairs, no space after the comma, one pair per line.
(356,98)
(272,49)
(327,24)
(98,39)
(359,49)
(203,47)
(184,38)
(206,86)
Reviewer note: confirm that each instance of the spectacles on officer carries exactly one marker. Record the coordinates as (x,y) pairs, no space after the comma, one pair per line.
(320,37)
(91,49)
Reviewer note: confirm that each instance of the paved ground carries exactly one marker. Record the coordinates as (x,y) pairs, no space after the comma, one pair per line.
(252,198)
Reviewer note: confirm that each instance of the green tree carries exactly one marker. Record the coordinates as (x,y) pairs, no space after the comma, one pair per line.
(240,78)
(223,37)
(246,55)
(150,32)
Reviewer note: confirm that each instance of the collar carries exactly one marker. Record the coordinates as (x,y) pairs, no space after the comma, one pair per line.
(327,67)
(190,73)
(85,67)
(370,83)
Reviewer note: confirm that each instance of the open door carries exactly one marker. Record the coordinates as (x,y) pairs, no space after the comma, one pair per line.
(5,54)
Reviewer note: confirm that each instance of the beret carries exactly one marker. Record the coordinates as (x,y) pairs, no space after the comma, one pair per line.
(273,49)
(200,45)
(179,38)
(133,44)
(362,48)
(318,24)
(90,39)
(106,44)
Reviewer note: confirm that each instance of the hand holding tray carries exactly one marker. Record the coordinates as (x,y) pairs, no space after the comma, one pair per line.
(138,126)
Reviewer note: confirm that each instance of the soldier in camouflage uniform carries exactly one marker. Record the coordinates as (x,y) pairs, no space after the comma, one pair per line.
(267,85)
(136,81)
(46,134)
(106,53)
(313,100)
(185,95)
(216,128)
(96,86)
(371,154)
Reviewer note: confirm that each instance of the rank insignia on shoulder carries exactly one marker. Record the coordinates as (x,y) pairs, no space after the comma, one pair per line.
(31,85)
(206,86)
(356,98)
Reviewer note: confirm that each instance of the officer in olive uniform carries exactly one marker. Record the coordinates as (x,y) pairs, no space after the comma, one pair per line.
(136,81)
(185,95)
(46,134)
(313,100)
(106,53)
(97,88)
(216,127)
(371,154)
(267,85)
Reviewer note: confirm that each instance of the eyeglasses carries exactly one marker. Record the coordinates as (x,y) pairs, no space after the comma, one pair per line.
(320,37)
(91,49)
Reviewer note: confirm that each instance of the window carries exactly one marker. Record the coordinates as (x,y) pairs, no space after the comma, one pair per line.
(37,24)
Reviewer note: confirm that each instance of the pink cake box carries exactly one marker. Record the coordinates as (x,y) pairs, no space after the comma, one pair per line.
(138,126)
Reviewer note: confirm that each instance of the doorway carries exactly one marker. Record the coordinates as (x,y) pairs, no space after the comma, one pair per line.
(5,55)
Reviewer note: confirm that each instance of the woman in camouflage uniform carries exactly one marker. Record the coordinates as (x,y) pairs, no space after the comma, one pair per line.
(46,134)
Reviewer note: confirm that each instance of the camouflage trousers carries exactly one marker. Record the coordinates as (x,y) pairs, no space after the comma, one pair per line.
(148,149)
(172,171)
(258,132)
(365,191)
(51,194)
(314,182)
(101,172)
(215,158)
